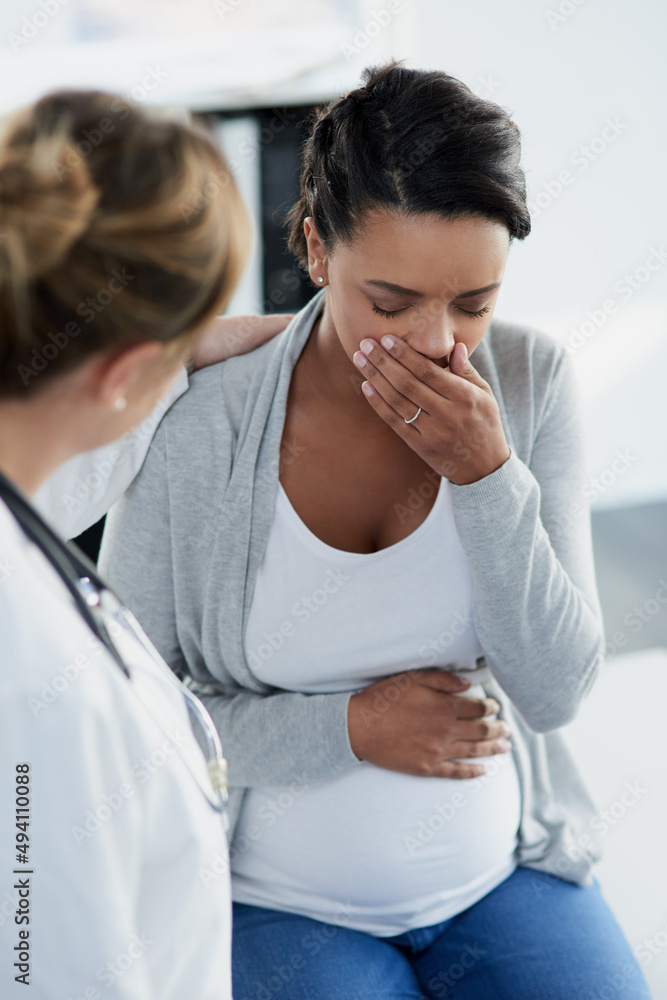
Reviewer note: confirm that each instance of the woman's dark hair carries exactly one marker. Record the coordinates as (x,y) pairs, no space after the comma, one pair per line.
(413,141)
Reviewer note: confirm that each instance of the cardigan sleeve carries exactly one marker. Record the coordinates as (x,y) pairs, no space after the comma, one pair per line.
(526,531)
(282,737)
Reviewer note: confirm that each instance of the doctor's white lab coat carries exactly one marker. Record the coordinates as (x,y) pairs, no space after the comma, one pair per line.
(113,864)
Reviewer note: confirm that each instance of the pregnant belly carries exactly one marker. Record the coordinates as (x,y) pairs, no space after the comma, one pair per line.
(377,841)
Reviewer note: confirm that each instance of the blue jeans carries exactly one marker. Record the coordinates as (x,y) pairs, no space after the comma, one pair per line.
(533,937)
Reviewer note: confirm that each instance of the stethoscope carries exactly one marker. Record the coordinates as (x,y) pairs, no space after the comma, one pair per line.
(94,598)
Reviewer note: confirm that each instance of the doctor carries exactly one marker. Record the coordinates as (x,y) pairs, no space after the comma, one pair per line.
(116,253)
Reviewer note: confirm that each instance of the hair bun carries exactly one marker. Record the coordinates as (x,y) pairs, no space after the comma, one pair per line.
(12,182)
(47,199)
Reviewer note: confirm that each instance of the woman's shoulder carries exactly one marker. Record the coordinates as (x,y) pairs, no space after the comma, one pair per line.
(217,399)
(241,379)
(517,350)
(523,364)
(232,379)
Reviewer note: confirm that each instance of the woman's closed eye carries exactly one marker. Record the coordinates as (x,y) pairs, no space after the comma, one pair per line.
(475,315)
(389,313)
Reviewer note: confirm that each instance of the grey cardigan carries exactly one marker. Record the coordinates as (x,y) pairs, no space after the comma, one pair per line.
(184,544)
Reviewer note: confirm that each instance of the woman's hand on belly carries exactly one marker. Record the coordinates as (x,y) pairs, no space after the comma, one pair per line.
(415,722)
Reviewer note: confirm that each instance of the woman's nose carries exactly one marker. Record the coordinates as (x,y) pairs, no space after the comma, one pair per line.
(433,337)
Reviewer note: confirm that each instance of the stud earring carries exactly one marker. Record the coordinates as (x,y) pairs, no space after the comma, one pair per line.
(320,279)
(120,403)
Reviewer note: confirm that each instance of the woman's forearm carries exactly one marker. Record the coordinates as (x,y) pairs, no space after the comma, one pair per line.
(537,612)
(541,634)
(281,737)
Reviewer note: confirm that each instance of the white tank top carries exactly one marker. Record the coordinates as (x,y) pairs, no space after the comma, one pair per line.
(381,851)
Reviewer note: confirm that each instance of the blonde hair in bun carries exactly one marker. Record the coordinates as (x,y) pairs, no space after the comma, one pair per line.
(117,225)
(40,215)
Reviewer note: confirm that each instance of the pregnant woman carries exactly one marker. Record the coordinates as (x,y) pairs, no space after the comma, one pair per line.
(323,525)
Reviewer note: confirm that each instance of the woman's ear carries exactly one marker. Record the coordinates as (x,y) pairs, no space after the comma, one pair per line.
(317,255)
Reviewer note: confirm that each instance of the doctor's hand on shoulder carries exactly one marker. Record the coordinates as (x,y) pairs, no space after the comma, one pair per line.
(226,336)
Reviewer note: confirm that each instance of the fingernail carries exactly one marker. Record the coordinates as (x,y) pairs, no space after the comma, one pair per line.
(367,346)
(464,681)
(388,342)
(504,745)
(359,359)
(367,388)
(506,731)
